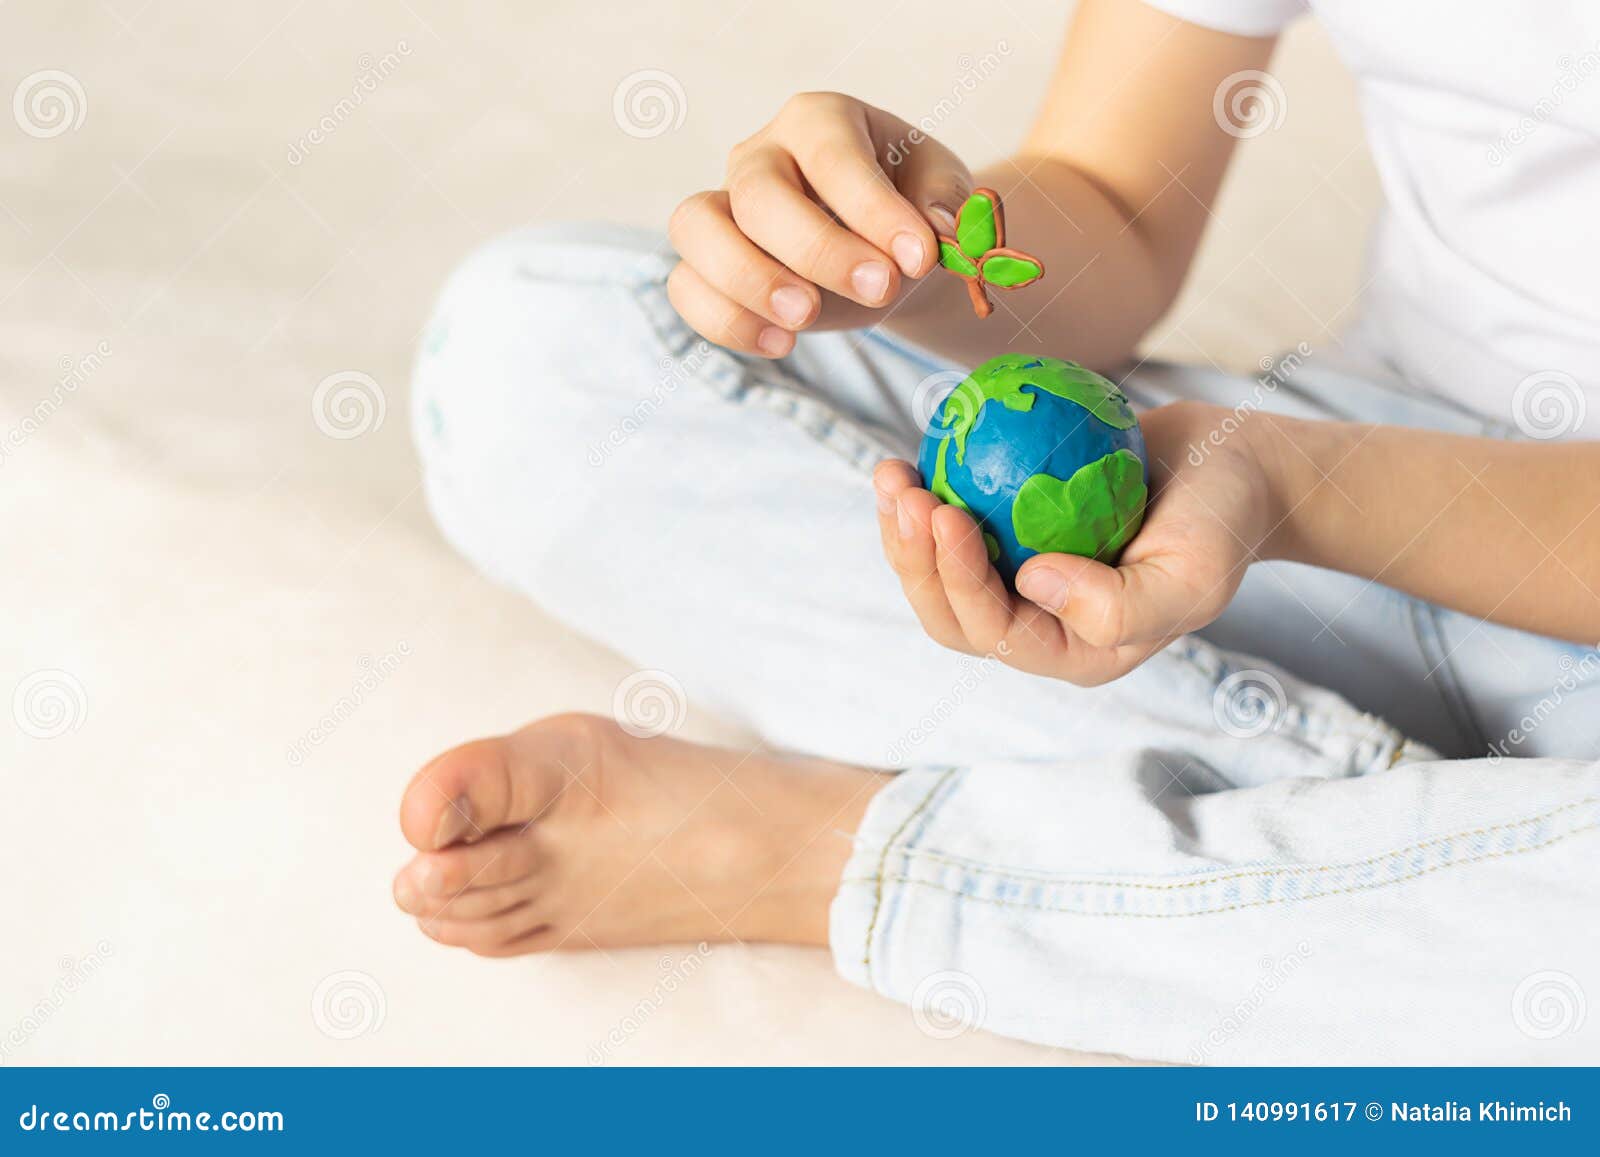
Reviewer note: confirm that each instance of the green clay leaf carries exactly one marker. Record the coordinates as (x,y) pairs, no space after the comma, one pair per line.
(975,229)
(953,259)
(992,545)
(1094,513)
(1010,272)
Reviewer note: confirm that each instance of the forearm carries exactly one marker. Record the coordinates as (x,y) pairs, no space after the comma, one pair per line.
(1103,288)
(1505,531)
(1112,189)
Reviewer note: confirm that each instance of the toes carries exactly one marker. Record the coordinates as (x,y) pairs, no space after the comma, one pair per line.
(544,938)
(472,904)
(502,858)
(487,935)
(470,791)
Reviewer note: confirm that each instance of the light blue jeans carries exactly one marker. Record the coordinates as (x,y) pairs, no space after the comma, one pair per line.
(1234,854)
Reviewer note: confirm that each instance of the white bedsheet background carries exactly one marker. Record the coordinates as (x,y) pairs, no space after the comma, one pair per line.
(195,572)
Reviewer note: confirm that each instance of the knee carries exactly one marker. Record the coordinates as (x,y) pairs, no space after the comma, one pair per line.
(536,343)
(533,329)
(536,299)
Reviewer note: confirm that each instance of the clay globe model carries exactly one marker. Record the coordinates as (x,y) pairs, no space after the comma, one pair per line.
(1046,455)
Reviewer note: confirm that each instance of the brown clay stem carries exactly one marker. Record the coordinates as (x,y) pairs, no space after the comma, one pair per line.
(980,300)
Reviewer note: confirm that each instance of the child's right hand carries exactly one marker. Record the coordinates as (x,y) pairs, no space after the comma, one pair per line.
(822,214)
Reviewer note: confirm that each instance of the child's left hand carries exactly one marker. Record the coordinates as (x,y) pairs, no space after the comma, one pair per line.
(1081,620)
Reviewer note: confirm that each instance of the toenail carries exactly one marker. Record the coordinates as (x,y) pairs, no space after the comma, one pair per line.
(405,896)
(454,823)
(431,879)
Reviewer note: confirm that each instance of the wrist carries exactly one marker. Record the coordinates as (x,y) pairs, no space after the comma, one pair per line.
(1287,451)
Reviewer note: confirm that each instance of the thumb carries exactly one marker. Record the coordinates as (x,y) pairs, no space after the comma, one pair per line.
(931,177)
(1111,606)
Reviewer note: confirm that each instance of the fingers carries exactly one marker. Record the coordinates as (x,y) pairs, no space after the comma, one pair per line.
(722,320)
(770,206)
(981,603)
(905,513)
(938,553)
(932,178)
(1151,600)
(840,163)
(826,212)
(705,235)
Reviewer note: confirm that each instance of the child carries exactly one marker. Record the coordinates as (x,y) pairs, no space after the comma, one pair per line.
(1097,827)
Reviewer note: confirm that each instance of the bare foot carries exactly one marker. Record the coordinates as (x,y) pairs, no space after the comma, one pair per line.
(573,834)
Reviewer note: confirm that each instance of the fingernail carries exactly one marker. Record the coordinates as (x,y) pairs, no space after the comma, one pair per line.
(791,305)
(885,500)
(406,897)
(943,216)
(907,250)
(774,341)
(871,280)
(1045,587)
(454,823)
(903,518)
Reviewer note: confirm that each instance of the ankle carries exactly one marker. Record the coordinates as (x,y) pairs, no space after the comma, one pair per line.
(803,852)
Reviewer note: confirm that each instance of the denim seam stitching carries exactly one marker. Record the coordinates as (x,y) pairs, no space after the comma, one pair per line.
(1062,909)
(1425,627)
(766,384)
(1021,874)
(883,864)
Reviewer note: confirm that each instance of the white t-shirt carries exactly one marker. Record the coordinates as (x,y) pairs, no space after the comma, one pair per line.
(1483,119)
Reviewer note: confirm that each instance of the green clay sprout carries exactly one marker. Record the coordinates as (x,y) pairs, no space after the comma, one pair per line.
(978,254)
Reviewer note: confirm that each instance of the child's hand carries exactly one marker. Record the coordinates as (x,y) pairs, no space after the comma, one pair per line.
(822,213)
(1089,623)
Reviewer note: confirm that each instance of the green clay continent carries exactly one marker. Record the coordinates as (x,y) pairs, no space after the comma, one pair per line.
(1093,513)
(1002,380)
(940,487)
